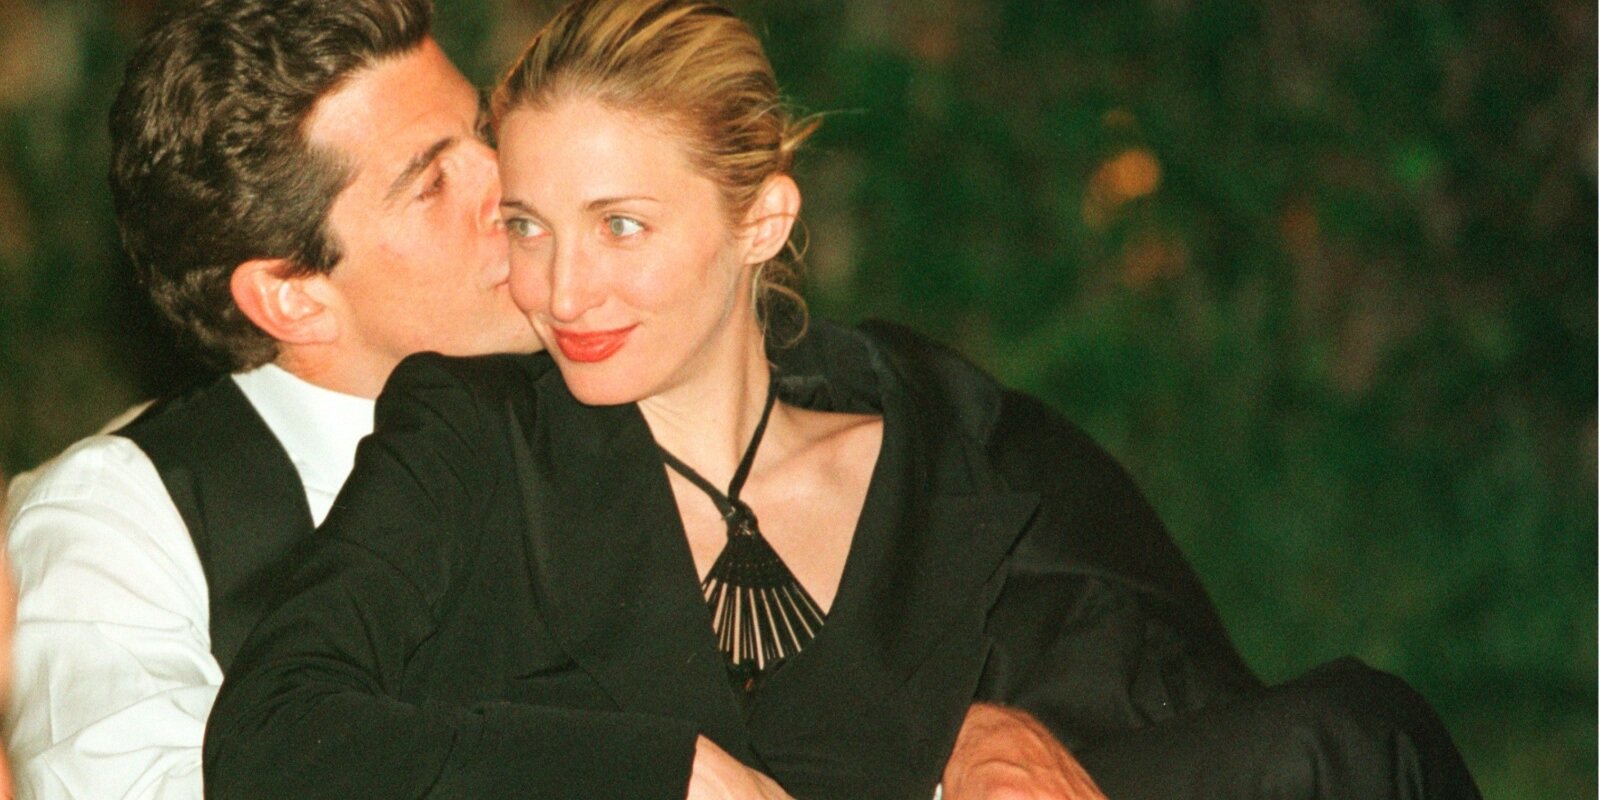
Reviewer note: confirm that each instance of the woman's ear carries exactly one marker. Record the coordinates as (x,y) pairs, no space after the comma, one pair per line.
(287,307)
(770,218)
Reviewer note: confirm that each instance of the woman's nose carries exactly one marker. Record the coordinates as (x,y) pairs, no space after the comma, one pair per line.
(574,284)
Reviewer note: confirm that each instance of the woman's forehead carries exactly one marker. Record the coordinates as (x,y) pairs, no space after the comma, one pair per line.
(579,149)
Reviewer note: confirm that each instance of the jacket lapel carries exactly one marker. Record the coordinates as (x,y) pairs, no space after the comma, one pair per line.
(937,522)
(898,659)
(917,570)
(611,565)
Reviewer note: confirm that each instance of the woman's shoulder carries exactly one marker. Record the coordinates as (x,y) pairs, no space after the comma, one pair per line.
(829,451)
(953,396)
(953,388)
(483,379)
(836,432)
(432,397)
(497,372)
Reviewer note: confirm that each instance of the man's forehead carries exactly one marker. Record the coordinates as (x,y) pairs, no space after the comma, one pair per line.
(385,114)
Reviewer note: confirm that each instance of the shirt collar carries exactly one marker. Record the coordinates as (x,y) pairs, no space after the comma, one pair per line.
(318,427)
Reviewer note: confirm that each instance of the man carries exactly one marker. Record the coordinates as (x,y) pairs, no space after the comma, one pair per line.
(308,229)
(302,186)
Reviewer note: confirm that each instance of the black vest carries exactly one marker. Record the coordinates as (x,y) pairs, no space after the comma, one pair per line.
(238,493)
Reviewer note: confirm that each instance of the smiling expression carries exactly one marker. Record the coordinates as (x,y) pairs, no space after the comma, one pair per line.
(621,251)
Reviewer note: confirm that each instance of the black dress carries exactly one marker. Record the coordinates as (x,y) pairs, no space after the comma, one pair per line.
(503,603)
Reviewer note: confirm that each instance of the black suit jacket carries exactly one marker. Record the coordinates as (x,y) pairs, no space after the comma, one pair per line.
(504,604)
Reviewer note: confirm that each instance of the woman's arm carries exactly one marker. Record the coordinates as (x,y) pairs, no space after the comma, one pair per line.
(719,776)
(313,706)
(1102,625)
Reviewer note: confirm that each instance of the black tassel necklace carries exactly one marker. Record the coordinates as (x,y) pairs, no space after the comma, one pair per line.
(760,614)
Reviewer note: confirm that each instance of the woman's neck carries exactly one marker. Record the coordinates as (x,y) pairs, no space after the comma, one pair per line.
(707,420)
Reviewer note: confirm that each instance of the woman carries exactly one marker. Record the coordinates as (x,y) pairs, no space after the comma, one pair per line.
(511,597)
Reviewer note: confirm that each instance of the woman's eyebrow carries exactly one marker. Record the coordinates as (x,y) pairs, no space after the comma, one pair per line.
(611,201)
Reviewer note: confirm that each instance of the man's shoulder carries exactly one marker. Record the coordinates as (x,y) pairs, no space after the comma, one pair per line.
(99,469)
(87,466)
(91,454)
(184,414)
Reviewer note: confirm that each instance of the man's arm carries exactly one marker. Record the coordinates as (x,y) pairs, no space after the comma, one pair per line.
(114,675)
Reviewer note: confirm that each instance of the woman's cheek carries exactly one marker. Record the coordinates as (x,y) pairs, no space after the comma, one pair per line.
(527,283)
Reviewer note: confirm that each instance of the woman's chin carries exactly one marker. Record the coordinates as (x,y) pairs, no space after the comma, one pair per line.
(593,387)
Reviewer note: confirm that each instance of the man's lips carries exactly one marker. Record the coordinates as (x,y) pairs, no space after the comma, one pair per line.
(590,346)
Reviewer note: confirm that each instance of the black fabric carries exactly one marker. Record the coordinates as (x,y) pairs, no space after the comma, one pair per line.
(499,543)
(238,494)
(412,657)
(1342,730)
(503,602)
(1106,526)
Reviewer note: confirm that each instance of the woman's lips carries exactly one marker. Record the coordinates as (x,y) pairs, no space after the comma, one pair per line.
(590,346)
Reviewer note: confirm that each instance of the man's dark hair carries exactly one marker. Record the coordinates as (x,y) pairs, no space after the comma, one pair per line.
(210,166)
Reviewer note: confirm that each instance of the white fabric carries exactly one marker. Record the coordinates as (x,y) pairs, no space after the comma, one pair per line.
(114,672)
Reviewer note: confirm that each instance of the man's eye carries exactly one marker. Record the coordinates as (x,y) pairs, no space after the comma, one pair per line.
(624,226)
(523,228)
(433,188)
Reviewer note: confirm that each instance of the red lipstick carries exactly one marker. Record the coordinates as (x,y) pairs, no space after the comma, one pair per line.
(591,346)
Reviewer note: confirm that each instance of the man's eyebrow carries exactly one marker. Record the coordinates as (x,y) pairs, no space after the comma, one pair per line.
(418,163)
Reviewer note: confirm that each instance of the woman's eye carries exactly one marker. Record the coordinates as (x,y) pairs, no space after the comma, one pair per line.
(523,228)
(624,226)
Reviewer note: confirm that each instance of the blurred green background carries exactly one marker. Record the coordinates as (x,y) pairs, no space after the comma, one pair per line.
(1321,273)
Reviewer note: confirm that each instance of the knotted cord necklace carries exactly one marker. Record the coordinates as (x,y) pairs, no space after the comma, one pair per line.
(760,614)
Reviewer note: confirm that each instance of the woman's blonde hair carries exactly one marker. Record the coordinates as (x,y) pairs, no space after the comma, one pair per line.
(692,64)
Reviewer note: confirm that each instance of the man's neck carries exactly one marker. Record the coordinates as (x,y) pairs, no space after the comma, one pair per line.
(358,377)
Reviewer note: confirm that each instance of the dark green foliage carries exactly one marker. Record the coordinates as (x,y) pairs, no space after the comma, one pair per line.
(1322,274)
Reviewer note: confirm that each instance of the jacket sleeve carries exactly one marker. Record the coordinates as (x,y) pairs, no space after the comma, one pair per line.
(313,706)
(1100,624)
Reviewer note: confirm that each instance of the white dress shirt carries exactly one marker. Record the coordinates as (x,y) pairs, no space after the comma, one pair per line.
(114,672)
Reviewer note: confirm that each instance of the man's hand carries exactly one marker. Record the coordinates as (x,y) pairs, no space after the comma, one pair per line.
(1005,754)
(719,776)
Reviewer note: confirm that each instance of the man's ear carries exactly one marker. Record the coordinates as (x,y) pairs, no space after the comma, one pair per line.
(770,218)
(290,308)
